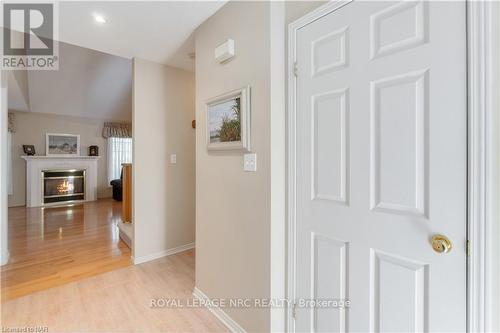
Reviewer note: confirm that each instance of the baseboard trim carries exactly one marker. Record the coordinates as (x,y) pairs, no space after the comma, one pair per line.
(157,255)
(229,322)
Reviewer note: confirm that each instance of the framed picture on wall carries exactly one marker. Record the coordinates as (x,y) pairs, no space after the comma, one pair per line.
(62,144)
(228,121)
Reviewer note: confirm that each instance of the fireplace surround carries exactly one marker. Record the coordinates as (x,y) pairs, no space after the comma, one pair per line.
(80,173)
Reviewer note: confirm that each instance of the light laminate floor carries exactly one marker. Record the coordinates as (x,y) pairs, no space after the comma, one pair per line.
(117,301)
(53,246)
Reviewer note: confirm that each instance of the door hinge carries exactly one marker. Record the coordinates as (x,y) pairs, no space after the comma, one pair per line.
(294,310)
(467,248)
(295,69)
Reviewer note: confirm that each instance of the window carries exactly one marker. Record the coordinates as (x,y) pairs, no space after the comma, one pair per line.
(119,151)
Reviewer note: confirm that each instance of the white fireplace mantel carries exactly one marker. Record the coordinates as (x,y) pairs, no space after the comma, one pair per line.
(36,164)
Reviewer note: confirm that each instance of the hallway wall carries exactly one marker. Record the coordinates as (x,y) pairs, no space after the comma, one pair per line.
(240,216)
(164,193)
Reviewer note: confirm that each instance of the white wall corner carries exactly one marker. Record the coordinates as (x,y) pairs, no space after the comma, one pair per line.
(492,314)
(134,146)
(232,325)
(278,166)
(163,216)
(484,183)
(4,251)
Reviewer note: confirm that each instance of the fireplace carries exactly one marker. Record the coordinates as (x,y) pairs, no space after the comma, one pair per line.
(63,185)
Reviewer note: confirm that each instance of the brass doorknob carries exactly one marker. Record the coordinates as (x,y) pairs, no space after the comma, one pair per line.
(441,244)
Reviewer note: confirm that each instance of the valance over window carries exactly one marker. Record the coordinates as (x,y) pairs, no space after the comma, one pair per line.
(117,130)
(11,123)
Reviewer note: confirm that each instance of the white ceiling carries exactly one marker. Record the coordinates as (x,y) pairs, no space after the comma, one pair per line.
(158,31)
(95,72)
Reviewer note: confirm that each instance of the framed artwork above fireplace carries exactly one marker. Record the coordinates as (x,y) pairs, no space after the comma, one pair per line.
(62,144)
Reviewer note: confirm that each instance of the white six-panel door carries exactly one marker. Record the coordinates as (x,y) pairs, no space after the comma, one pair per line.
(381,167)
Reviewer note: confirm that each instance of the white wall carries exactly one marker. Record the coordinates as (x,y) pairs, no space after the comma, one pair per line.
(493,231)
(164,194)
(233,207)
(240,216)
(4,249)
(31,128)
(278,164)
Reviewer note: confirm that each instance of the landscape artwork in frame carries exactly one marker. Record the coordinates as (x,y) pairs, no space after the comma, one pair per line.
(62,144)
(228,121)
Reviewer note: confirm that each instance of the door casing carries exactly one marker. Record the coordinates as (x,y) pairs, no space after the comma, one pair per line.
(480,36)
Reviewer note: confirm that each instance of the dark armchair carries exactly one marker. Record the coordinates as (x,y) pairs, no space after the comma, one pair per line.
(117,187)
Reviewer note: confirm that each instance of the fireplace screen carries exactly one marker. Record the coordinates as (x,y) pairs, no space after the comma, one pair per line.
(63,185)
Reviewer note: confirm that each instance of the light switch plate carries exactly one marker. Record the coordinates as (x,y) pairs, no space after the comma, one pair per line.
(173,158)
(250,162)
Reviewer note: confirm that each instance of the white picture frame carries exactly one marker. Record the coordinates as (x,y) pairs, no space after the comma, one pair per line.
(223,119)
(60,144)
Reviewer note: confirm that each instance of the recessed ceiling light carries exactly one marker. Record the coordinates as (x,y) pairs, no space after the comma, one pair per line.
(99,18)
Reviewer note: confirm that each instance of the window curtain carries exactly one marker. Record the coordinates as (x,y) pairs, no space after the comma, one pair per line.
(12,118)
(11,129)
(119,151)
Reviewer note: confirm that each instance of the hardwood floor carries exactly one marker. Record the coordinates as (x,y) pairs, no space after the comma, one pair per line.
(53,246)
(117,301)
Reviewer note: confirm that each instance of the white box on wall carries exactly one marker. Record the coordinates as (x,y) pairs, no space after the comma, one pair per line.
(224,52)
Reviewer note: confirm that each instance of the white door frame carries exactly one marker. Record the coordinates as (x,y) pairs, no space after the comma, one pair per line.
(481,162)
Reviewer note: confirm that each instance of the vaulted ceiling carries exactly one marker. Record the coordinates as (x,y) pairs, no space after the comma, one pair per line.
(95,68)
(88,84)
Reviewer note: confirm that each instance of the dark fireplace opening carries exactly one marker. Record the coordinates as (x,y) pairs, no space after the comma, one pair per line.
(63,185)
